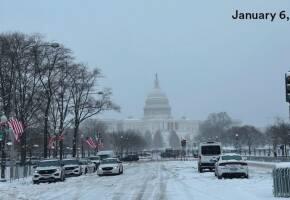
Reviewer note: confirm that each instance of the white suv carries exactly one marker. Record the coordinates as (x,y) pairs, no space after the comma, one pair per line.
(208,154)
(72,167)
(48,171)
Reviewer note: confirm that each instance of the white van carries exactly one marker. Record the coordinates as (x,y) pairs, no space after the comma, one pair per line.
(208,154)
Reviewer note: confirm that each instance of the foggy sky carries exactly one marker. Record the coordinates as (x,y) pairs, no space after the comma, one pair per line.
(206,61)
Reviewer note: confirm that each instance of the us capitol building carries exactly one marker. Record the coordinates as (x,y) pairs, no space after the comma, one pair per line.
(157,117)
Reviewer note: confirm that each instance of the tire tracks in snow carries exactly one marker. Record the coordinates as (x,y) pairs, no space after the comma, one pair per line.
(129,182)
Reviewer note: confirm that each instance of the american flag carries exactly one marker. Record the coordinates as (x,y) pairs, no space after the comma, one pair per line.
(17,128)
(51,141)
(91,143)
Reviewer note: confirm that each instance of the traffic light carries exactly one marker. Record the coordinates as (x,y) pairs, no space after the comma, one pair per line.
(183,143)
(287,86)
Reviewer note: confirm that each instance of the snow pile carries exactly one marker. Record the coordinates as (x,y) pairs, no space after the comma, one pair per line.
(282,165)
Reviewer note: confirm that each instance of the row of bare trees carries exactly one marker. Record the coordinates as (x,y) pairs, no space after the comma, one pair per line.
(43,86)
(220,127)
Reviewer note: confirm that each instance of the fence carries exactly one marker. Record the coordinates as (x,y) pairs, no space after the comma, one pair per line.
(281,181)
(268,158)
(17,172)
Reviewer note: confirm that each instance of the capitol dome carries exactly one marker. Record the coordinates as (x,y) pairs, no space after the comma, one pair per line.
(157,104)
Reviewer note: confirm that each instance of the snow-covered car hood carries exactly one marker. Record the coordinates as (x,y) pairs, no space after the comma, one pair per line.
(71,165)
(109,165)
(47,168)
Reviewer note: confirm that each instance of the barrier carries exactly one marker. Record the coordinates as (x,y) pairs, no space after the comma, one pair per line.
(281,180)
(17,172)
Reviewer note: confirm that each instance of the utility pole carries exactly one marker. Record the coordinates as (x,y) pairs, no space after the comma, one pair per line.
(287,91)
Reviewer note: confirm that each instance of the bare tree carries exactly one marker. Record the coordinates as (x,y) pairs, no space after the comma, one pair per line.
(279,133)
(158,140)
(174,140)
(214,127)
(52,75)
(148,139)
(84,102)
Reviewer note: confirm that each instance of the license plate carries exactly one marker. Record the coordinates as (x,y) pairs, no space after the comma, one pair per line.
(233,169)
(46,174)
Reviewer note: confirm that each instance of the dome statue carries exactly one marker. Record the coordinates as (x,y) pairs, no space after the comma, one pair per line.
(157,104)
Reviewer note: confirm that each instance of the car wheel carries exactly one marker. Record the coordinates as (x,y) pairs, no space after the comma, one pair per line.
(86,170)
(220,176)
(200,169)
(246,176)
(35,182)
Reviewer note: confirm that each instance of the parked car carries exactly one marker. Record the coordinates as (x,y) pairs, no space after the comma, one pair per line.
(170,153)
(87,166)
(96,160)
(105,154)
(208,154)
(72,167)
(132,157)
(110,166)
(231,165)
(48,171)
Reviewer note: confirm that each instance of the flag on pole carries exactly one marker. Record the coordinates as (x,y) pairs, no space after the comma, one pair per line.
(17,128)
(100,144)
(51,141)
(91,143)
(61,137)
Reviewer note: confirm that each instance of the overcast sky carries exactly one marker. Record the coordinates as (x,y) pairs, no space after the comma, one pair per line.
(206,62)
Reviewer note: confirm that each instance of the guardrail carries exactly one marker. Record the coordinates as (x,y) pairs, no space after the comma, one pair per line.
(281,181)
(268,158)
(17,172)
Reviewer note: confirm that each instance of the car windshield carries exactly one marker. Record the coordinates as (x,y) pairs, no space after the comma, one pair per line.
(211,150)
(70,162)
(94,158)
(104,156)
(109,161)
(231,157)
(49,163)
(84,162)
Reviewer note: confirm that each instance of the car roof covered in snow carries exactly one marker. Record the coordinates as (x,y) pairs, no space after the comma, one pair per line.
(105,152)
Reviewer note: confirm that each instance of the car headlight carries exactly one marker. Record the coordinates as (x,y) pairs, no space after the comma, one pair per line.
(36,171)
(116,167)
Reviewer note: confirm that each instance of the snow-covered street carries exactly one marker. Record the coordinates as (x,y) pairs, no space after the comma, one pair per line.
(148,180)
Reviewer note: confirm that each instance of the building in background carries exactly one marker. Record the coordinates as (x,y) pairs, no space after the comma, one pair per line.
(157,117)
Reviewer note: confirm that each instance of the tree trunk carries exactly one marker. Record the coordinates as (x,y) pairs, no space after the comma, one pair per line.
(60,149)
(75,142)
(23,148)
(45,131)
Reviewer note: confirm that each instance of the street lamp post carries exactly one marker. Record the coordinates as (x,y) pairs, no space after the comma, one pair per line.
(237,140)
(3,127)
(82,141)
